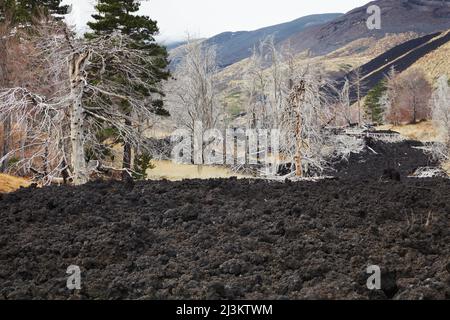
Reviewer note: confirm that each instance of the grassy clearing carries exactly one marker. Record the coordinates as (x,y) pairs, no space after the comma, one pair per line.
(446,167)
(423,131)
(176,172)
(10,183)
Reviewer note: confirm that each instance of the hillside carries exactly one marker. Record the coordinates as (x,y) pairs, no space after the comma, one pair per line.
(435,63)
(236,46)
(352,55)
(422,17)
(400,58)
(322,34)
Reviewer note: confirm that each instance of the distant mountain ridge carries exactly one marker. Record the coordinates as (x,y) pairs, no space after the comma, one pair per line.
(398,16)
(321,34)
(235,46)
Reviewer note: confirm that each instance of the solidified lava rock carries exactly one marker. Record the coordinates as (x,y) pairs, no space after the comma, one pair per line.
(391,174)
(383,160)
(231,239)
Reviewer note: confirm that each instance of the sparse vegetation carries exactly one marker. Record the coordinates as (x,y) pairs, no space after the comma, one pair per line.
(373,103)
(407,97)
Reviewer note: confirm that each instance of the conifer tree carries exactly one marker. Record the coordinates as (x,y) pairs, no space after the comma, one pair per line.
(373,104)
(121,16)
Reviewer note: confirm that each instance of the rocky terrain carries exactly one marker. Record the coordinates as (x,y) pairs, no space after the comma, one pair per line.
(235,239)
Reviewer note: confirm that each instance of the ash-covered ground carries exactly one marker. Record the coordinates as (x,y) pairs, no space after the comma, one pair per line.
(235,239)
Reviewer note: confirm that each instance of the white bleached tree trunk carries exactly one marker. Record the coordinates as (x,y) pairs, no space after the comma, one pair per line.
(304,140)
(76,69)
(66,116)
(296,100)
(440,103)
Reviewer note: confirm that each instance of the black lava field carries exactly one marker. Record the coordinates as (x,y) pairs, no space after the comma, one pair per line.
(235,239)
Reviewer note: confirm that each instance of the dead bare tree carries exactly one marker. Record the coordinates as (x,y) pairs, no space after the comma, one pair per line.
(343,111)
(391,113)
(295,99)
(282,69)
(385,105)
(256,87)
(192,94)
(16,70)
(440,104)
(68,122)
(307,111)
(357,83)
(268,81)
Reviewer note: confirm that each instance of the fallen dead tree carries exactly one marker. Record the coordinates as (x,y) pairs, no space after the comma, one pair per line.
(429,172)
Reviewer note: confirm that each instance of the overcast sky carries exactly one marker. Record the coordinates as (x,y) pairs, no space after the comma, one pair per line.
(205,18)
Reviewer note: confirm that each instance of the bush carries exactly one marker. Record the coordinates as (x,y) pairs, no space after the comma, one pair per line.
(372,103)
(142,163)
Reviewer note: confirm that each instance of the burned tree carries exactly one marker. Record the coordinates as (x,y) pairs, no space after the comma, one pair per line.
(68,122)
(296,100)
(192,94)
(440,104)
(304,118)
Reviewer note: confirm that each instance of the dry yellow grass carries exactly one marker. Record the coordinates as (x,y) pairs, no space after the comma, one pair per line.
(423,131)
(10,183)
(176,172)
(371,47)
(446,167)
(435,63)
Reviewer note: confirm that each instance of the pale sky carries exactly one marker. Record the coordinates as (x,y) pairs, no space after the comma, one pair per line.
(205,18)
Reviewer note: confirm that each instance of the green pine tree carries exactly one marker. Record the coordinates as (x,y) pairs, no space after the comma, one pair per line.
(120,16)
(26,10)
(372,103)
(6,8)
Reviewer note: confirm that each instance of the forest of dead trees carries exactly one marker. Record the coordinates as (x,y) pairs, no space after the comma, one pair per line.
(72,105)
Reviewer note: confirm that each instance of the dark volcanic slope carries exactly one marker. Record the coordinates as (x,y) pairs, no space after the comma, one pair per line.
(400,58)
(398,16)
(228,239)
(396,52)
(235,46)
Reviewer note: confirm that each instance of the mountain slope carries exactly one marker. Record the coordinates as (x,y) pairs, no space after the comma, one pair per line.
(400,58)
(435,63)
(235,46)
(420,16)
